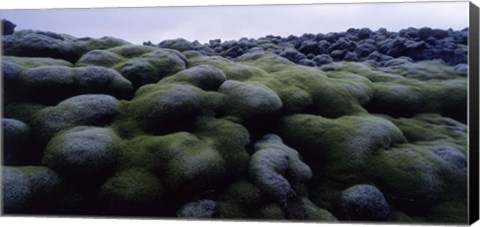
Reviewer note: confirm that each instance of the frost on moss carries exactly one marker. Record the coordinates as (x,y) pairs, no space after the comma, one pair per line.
(278,171)
(96,110)
(148,65)
(84,153)
(249,101)
(206,77)
(99,58)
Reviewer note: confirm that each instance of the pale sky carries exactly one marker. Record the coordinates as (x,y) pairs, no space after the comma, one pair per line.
(137,25)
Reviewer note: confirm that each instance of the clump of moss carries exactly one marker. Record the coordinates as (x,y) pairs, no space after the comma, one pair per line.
(131,192)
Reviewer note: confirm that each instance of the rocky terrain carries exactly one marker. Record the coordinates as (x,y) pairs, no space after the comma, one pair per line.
(354,126)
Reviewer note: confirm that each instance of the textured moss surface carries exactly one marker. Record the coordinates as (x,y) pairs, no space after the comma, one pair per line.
(122,129)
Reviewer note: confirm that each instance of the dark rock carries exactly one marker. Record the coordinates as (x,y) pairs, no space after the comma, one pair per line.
(179,44)
(323,59)
(311,47)
(453,156)
(29,189)
(363,203)
(7,27)
(199,209)
(307,62)
(16,136)
(338,55)
(350,56)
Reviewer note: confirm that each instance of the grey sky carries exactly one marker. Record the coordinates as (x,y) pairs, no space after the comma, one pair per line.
(137,25)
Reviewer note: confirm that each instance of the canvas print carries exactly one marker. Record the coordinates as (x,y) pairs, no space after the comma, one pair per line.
(229,113)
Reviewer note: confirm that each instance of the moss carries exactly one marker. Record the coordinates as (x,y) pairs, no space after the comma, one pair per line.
(315,213)
(340,146)
(229,139)
(432,127)
(133,191)
(243,194)
(449,212)
(165,108)
(414,178)
(270,211)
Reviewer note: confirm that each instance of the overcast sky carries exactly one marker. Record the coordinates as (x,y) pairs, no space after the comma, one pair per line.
(137,25)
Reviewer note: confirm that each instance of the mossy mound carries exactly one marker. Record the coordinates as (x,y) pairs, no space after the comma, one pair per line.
(83,152)
(319,127)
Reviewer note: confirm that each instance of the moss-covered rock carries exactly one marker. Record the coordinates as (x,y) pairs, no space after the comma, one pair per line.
(340,146)
(271,161)
(130,192)
(314,213)
(96,110)
(29,189)
(249,101)
(97,79)
(83,152)
(99,58)
(205,77)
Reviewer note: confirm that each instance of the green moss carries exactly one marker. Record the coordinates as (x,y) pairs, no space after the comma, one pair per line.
(270,211)
(432,127)
(449,212)
(229,139)
(131,191)
(315,213)
(340,145)
(412,176)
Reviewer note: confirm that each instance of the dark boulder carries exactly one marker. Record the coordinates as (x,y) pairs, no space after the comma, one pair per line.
(7,27)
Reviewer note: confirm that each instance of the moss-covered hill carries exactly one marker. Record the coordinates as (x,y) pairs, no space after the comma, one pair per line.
(104,127)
